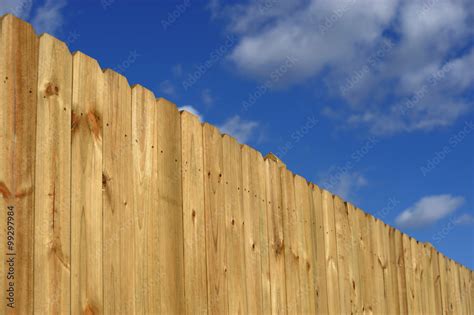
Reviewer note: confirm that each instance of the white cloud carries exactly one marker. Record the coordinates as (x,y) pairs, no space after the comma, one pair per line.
(464,219)
(167,87)
(241,129)
(338,40)
(48,17)
(19,8)
(428,210)
(207,97)
(192,110)
(348,183)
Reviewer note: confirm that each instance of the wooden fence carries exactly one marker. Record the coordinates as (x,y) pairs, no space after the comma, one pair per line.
(114,202)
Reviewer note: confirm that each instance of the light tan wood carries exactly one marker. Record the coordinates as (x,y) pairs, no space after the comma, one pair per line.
(393,271)
(145,214)
(320,253)
(214,197)
(235,237)
(307,258)
(292,254)
(86,187)
(170,207)
(253,256)
(118,201)
(330,245)
(355,261)
(390,297)
(416,272)
(401,278)
(52,277)
(437,285)
(409,273)
(366,263)
(458,302)
(258,193)
(18,94)
(443,280)
(276,236)
(195,274)
(428,283)
(379,264)
(341,220)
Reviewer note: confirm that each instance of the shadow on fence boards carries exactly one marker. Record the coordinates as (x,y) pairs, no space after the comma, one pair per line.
(114,202)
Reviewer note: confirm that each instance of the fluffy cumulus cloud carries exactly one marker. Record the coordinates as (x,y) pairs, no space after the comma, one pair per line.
(429,210)
(397,65)
(46,16)
(239,128)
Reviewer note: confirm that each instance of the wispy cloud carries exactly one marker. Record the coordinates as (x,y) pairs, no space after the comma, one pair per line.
(48,17)
(429,210)
(373,79)
(348,184)
(464,219)
(167,87)
(207,97)
(241,129)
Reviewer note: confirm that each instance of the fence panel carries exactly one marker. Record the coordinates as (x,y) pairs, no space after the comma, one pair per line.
(320,254)
(235,237)
(215,220)
(195,274)
(86,188)
(52,277)
(276,237)
(118,228)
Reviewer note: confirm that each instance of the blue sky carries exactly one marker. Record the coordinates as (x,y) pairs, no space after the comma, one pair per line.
(371,100)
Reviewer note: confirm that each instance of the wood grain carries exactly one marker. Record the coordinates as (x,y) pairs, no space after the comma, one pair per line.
(52,277)
(195,269)
(86,187)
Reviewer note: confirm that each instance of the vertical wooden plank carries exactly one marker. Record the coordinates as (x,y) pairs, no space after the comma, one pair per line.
(378,259)
(390,299)
(170,207)
(18,96)
(52,277)
(401,277)
(258,194)
(193,214)
(457,288)
(276,237)
(416,272)
(366,263)
(393,271)
(320,254)
(118,201)
(443,279)
(307,263)
(145,210)
(215,220)
(355,261)
(290,229)
(343,252)
(86,187)
(464,289)
(235,244)
(428,281)
(436,274)
(253,250)
(409,273)
(334,302)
